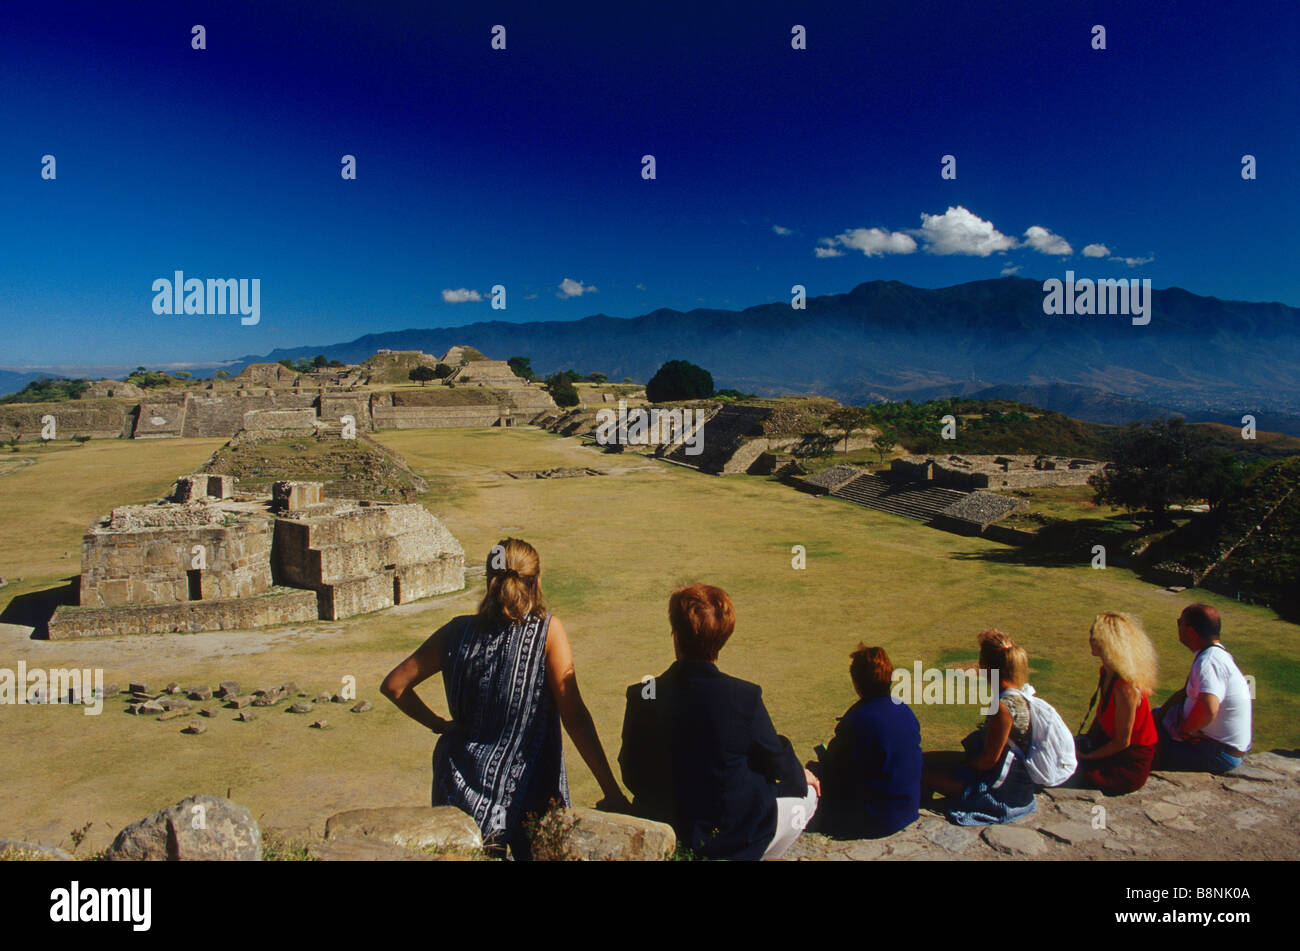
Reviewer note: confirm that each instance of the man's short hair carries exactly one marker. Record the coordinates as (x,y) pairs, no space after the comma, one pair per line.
(1204,620)
(703,618)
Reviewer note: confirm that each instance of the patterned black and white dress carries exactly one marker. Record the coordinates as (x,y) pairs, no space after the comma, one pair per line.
(505,759)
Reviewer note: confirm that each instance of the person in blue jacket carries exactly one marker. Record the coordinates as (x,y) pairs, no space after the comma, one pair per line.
(870,771)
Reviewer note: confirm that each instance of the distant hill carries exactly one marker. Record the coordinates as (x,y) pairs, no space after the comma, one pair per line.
(1201,356)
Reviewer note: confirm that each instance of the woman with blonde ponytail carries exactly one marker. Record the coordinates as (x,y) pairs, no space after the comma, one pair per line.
(510,683)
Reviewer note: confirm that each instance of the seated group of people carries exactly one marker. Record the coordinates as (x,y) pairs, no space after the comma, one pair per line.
(701,753)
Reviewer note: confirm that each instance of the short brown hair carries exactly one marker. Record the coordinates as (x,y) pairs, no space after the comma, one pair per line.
(703,618)
(999,652)
(871,670)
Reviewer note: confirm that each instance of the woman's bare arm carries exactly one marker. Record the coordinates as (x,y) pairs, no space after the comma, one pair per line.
(399,686)
(996,735)
(1127,700)
(575,716)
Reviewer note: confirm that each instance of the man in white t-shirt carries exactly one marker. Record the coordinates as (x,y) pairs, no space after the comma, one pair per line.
(1206,725)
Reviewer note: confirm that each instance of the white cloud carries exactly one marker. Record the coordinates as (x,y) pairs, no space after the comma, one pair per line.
(640,287)
(957,231)
(870,241)
(1136,262)
(571,288)
(779,230)
(1043,241)
(1010,269)
(460,296)
(1096,251)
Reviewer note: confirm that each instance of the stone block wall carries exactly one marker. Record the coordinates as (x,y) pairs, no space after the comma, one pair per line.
(159,419)
(157,564)
(296,420)
(99,419)
(341,552)
(274,606)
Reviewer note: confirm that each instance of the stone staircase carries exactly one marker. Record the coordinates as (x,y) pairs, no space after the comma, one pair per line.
(920,501)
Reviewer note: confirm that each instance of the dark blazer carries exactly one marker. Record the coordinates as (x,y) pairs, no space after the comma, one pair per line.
(870,772)
(700,753)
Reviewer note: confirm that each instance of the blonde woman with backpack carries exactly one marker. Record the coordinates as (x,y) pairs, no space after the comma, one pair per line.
(989,781)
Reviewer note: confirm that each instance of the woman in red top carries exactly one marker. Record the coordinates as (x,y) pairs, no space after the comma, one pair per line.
(1116,754)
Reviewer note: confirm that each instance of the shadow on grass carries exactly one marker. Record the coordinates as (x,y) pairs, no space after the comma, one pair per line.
(1062,544)
(35,608)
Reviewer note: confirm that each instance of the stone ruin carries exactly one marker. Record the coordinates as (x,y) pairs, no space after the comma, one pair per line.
(207,559)
(969,473)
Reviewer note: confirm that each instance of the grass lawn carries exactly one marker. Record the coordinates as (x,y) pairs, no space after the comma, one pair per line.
(612,547)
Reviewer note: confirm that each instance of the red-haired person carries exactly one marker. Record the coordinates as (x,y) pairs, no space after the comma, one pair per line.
(699,749)
(510,683)
(871,769)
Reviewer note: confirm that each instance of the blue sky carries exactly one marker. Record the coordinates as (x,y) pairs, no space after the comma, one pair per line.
(522,167)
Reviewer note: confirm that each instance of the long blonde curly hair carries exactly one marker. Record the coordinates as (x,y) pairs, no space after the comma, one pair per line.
(1125,649)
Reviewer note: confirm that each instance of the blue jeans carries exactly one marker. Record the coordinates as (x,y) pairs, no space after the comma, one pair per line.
(1203,756)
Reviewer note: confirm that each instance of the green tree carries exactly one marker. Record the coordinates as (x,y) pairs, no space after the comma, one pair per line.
(522,367)
(850,419)
(320,361)
(679,380)
(221,375)
(442,371)
(423,374)
(884,441)
(596,378)
(562,390)
(1157,465)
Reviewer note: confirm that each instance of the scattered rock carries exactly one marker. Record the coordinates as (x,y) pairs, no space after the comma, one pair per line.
(246,716)
(1189,780)
(1115,845)
(360,849)
(1014,840)
(361,706)
(208,712)
(200,693)
(320,724)
(172,687)
(322,698)
(951,838)
(1073,833)
(110,690)
(589,835)
(238,703)
(228,688)
(300,706)
(173,714)
(865,850)
(150,706)
(338,698)
(409,827)
(137,686)
(1162,812)
(175,703)
(195,727)
(200,828)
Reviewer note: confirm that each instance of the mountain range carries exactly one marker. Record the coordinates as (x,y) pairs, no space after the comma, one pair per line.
(1205,358)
